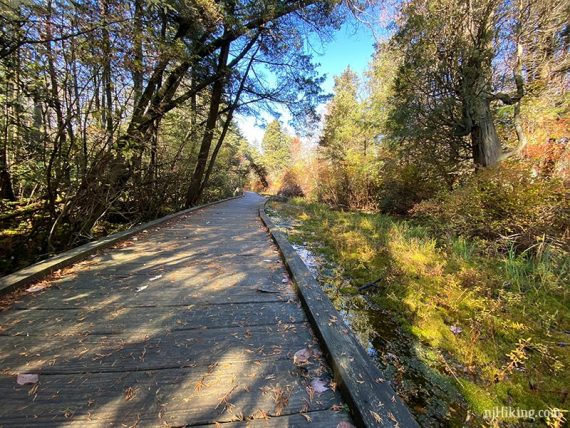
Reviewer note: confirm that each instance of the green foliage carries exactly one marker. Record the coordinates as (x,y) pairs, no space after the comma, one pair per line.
(506,205)
(341,129)
(276,148)
(349,170)
(507,352)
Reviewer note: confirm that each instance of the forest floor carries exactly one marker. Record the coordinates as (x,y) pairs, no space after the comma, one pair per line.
(458,331)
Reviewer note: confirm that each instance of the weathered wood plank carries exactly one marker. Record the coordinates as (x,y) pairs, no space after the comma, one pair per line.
(222,392)
(60,299)
(211,338)
(39,270)
(312,419)
(152,320)
(123,352)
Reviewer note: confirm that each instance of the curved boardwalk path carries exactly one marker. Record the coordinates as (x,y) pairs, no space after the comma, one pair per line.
(192,323)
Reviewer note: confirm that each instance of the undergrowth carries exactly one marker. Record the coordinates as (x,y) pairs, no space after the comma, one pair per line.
(495,324)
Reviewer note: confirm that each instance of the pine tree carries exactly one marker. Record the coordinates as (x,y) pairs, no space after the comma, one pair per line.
(276,147)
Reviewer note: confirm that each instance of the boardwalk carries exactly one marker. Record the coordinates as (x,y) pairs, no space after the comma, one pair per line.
(194,322)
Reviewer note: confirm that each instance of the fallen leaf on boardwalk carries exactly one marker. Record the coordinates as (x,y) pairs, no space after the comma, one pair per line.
(37,287)
(302,356)
(319,385)
(376,417)
(310,393)
(130,393)
(141,288)
(307,417)
(266,290)
(26,378)
(281,399)
(260,414)
(284,280)
(154,278)
(344,424)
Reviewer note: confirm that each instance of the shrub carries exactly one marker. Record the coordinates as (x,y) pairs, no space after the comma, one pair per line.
(505,204)
(290,186)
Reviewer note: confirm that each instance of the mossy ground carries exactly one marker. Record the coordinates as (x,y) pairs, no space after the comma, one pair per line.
(495,327)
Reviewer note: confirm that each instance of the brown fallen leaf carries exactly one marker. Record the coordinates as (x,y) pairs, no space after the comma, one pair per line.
(27,378)
(345,424)
(260,414)
(281,399)
(310,393)
(376,417)
(38,287)
(130,393)
(302,356)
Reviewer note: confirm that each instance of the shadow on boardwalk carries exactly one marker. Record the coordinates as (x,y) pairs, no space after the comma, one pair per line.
(192,323)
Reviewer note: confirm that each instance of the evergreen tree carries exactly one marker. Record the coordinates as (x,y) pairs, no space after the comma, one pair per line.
(276,145)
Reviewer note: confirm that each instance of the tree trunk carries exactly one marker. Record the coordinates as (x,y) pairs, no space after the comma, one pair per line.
(6,189)
(106,77)
(216,151)
(484,138)
(227,124)
(217,90)
(138,53)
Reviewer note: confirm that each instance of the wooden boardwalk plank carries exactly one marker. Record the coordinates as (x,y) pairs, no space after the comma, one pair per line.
(125,352)
(225,391)
(189,323)
(120,320)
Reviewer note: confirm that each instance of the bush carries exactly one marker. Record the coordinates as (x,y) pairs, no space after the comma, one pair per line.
(505,204)
(403,186)
(290,186)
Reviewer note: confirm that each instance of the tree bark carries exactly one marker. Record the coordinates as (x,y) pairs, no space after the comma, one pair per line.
(137,53)
(484,138)
(227,124)
(6,189)
(215,101)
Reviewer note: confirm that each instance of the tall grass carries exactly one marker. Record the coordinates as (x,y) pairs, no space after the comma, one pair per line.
(508,304)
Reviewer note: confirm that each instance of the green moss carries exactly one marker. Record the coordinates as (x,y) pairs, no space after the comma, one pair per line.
(430,283)
(477,396)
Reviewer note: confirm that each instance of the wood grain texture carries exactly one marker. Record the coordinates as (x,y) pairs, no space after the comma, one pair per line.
(188,323)
(39,270)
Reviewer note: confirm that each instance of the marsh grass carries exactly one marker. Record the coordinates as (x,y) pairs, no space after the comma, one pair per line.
(511,308)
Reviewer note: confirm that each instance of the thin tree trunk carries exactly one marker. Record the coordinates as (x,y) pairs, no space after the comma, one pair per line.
(138,53)
(106,76)
(215,153)
(6,189)
(59,139)
(227,124)
(215,101)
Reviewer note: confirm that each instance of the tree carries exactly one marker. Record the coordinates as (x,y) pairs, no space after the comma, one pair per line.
(459,57)
(276,145)
(341,131)
(118,111)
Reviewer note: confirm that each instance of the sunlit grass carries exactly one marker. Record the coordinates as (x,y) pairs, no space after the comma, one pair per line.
(433,283)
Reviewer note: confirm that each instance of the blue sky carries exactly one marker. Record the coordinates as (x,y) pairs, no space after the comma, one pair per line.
(352,45)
